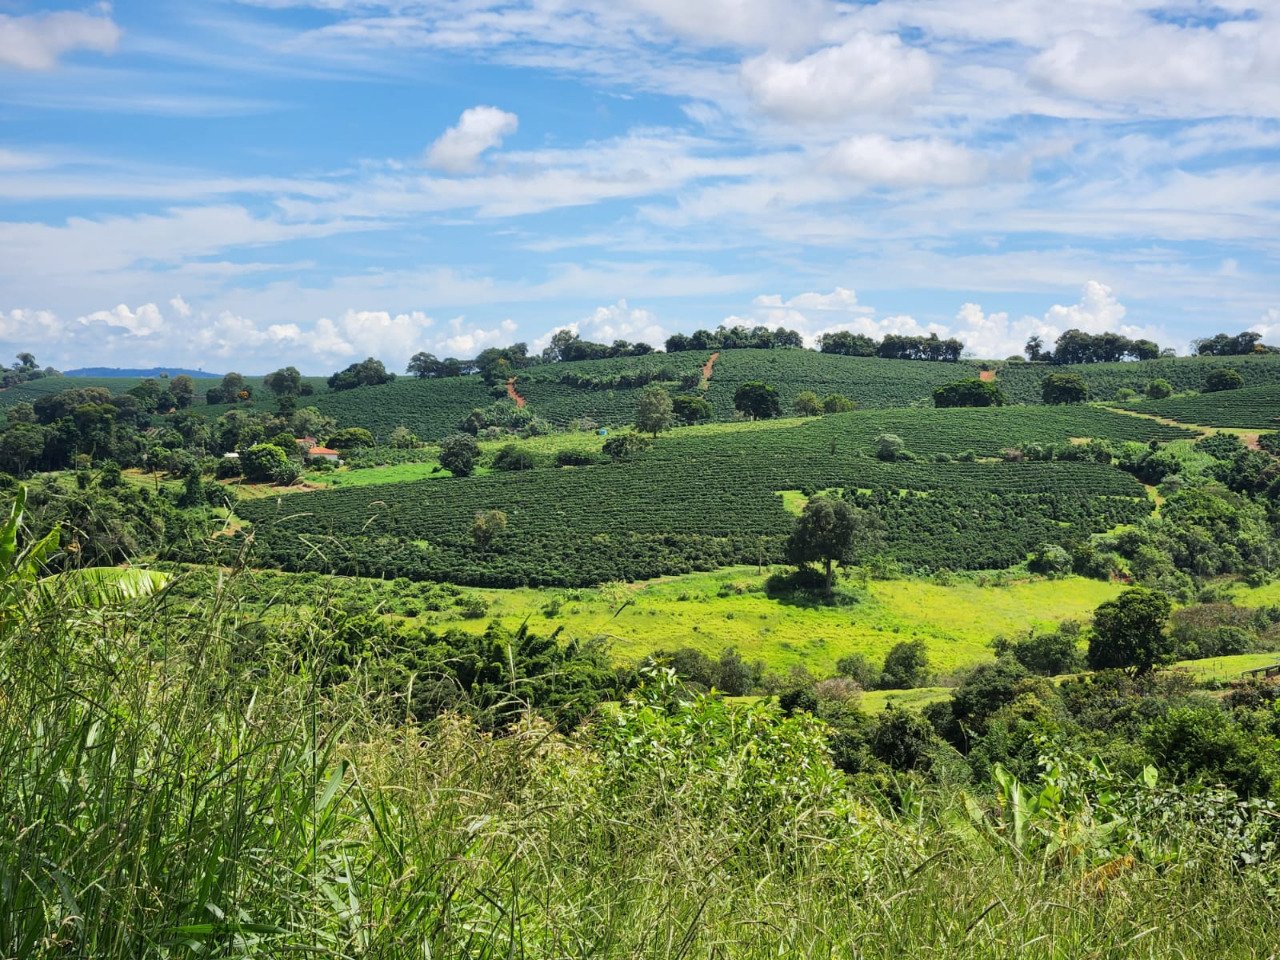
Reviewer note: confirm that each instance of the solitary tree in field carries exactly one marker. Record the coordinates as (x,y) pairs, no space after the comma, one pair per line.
(1159,389)
(757,400)
(654,414)
(1064,388)
(807,404)
(488,525)
(691,408)
(836,403)
(285,380)
(458,454)
(888,446)
(1129,634)
(826,532)
(1223,380)
(969,393)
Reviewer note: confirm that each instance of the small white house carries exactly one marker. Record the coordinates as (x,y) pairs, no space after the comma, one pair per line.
(323,453)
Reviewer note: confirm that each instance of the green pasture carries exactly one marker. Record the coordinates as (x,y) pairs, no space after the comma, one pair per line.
(711,611)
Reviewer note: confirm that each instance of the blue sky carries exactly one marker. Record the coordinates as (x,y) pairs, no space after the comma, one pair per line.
(238,184)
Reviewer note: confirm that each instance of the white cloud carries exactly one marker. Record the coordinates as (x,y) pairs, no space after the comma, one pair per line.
(1268,325)
(478,129)
(994,336)
(866,74)
(146,321)
(877,159)
(1184,69)
(813,314)
(1097,312)
(621,322)
(30,328)
(36,42)
(466,342)
(748,22)
(841,300)
(180,306)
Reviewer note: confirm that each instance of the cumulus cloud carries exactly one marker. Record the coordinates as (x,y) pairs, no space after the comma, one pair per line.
(36,42)
(477,130)
(465,342)
(1268,325)
(866,74)
(28,328)
(146,321)
(917,162)
(180,306)
(813,314)
(1219,66)
(621,322)
(995,335)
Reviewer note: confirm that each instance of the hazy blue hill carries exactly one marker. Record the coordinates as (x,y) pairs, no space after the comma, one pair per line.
(114,373)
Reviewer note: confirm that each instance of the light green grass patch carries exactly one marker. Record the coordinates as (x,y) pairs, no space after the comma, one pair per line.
(1226,668)
(956,622)
(873,701)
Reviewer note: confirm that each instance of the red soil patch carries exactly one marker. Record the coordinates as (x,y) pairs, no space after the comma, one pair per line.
(511,392)
(986,376)
(1250,440)
(706,368)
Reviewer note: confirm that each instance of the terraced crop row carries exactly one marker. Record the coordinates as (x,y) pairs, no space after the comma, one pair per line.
(691,503)
(1021,381)
(1255,408)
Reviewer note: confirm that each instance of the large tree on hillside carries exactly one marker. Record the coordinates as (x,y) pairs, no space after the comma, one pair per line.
(825,533)
(654,414)
(757,400)
(969,393)
(1129,632)
(1060,388)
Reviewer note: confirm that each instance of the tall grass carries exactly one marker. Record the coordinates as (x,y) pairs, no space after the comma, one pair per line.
(174,784)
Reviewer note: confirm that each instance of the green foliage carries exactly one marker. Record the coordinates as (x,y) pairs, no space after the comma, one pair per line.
(1158,389)
(1129,632)
(625,446)
(488,525)
(1220,380)
(459,453)
(906,665)
(860,669)
(351,438)
(807,404)
(366,373)
(837,403)
(825,532)
(654,414)
(969,393)
(1063,388)
(1202,744)
(692,409)
(889,447)
(757,400)
(1254,408)
(1049,654)
(263,463)
(512,458)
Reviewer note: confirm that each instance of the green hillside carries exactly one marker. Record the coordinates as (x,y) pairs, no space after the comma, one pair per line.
(1252,408)
(700,499)
(563,392)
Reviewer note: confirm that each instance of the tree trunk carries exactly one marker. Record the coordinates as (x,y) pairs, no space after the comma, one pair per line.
(829,576)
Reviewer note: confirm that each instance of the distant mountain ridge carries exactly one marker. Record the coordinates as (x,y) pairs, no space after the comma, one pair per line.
(150,372)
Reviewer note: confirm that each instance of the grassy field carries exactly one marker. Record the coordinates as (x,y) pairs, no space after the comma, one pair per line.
(728,608)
